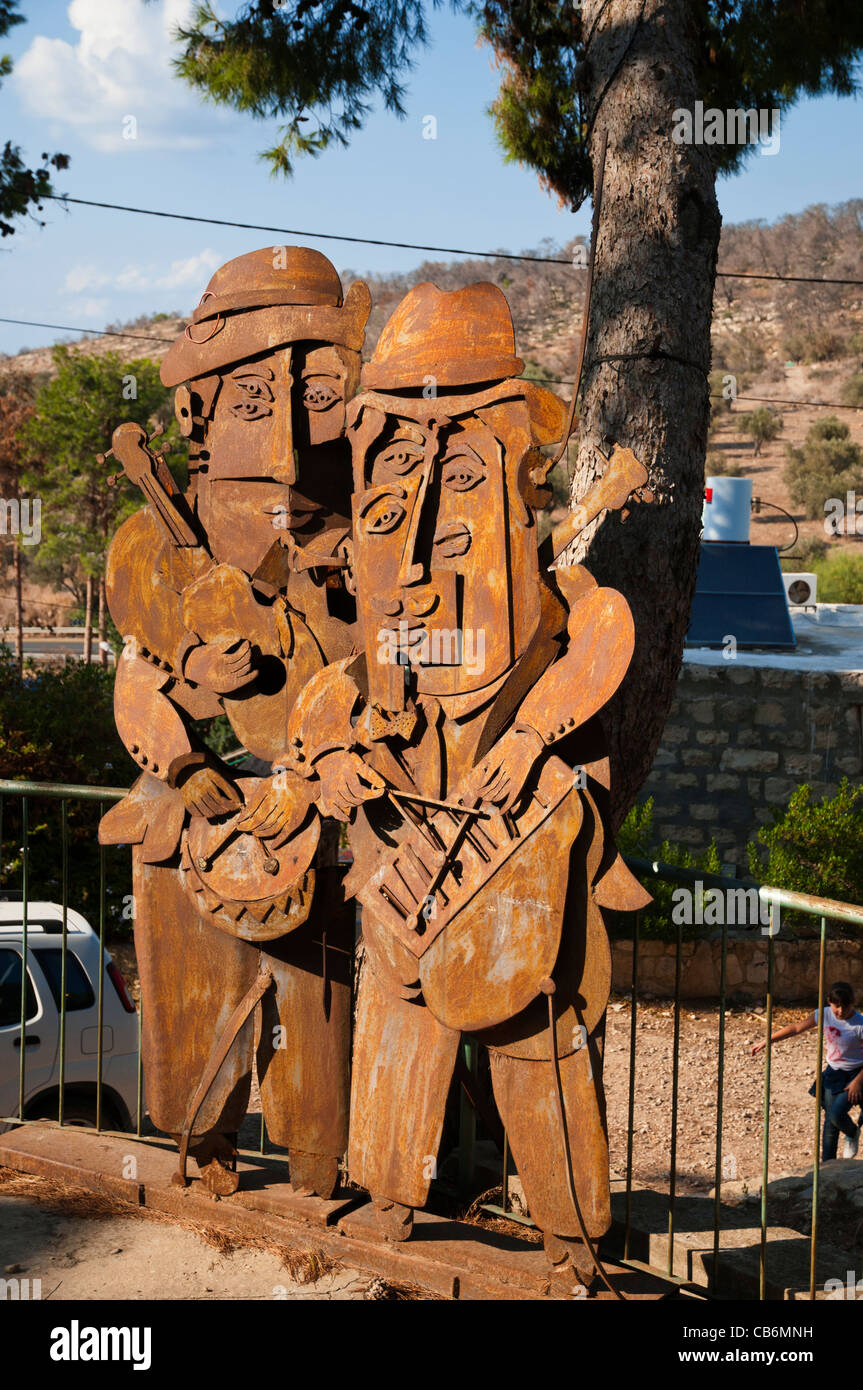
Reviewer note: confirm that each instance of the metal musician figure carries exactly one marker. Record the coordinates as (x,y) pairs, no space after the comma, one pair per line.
(463,744)
(230,597)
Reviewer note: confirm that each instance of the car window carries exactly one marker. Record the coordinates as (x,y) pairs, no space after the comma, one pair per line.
(79,991)
(10,990)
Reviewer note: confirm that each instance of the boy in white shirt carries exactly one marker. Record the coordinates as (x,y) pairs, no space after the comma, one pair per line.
(842,1079)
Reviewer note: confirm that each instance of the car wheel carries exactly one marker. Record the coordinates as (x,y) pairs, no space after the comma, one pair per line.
(79,1112)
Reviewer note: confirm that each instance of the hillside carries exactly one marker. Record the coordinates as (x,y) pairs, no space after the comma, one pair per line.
(783,341)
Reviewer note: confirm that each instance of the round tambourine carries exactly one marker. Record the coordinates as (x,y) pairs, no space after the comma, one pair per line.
(251,890)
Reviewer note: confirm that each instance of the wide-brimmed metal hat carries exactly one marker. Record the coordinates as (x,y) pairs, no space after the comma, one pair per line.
(264,299)
(462,342)
(455,338)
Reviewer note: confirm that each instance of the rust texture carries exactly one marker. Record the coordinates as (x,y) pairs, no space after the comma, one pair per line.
(463,745)
(355,578)
(229,598)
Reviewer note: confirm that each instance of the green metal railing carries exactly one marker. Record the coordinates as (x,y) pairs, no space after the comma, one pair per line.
(825,909)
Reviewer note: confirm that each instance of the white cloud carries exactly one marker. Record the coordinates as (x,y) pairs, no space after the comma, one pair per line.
(119,68)
(89,308)
(190,273)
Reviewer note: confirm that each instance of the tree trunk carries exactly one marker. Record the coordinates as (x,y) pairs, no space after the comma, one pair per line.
(19,607)
(103,654)
(88,620)
(648,355)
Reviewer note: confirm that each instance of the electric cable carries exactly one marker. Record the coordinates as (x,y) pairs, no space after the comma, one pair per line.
(413,245)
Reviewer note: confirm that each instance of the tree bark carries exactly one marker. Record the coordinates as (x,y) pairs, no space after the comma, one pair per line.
(88,620)
(19,607)
(648,355)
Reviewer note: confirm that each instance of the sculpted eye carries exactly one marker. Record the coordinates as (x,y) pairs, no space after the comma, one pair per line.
(383,516)
(254,397)
(400,456)
(251,410)
(319,394)
(461,473)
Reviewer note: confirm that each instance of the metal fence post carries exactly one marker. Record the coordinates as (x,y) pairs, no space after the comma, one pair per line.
(64,891)
(100,1009)
(675,1079)
(630,1109)
(25,829)
(720,1086)
(816,1148)
(765,1150)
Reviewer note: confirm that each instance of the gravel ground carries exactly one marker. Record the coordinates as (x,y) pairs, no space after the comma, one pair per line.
(792,1114)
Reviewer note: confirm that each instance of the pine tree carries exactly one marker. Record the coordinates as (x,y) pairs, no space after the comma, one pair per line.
(20,187)
(75,414)
(572,74)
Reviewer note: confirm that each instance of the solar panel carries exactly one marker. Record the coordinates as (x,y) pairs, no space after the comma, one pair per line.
(739,593)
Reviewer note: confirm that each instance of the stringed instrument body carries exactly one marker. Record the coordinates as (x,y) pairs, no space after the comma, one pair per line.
(220,604)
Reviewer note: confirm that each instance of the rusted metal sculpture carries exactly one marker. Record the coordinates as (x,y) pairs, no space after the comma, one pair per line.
(230,597)
(462,743)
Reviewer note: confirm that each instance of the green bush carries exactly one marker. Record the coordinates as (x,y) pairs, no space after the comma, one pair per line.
(810,848)
(807,553)
(762,426)
(840,578)
(840,572)
(814,847)
(828,465)
(57,725)
(852,391)
(719,465)
(819,344)
(636,838)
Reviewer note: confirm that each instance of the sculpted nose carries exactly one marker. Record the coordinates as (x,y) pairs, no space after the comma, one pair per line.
(285,462)
(388,607)
(412,568)
(420,605)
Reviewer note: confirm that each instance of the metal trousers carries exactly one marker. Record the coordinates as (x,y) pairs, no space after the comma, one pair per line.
(402,1068)
(193,975)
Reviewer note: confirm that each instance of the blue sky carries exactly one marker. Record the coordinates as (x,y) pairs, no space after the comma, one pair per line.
(81,68)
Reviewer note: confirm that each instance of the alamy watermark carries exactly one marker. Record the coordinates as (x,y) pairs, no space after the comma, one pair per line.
(735,126)
(844,517)
(717,907)
(437,646)
(21,518)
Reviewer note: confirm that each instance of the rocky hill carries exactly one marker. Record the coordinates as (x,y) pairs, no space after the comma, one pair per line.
(790,342)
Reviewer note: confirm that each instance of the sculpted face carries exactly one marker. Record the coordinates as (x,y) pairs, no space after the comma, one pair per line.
(275,464)
(439,549)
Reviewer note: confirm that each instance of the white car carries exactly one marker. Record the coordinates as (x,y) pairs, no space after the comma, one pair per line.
(42,1022)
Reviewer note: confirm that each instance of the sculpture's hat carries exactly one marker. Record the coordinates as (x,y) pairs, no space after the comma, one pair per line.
(278,295)
(457,338)
(463,343)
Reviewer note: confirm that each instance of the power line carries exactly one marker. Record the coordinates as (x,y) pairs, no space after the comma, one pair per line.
(773,400)
(101,332)
(413,245)
(314,236)
(787,279)
(718,396)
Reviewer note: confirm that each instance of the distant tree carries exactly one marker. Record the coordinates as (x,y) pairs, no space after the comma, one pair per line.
(828,465)
(570,75)
(76,413)
(16,408)
(20,187)
(762,426)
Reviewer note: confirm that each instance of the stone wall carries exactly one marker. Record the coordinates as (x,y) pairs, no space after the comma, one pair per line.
(740,738)
(795,967)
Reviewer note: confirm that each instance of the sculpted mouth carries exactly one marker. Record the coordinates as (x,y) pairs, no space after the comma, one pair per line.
(452,539)
(291,519)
